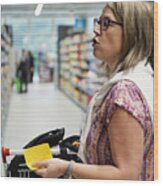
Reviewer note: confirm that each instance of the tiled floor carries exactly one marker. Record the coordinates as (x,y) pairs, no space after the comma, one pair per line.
(42,109)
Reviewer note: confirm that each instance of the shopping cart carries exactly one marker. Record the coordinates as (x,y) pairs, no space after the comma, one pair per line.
(14,162)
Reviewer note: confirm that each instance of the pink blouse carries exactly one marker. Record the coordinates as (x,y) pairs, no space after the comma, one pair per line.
(127,95)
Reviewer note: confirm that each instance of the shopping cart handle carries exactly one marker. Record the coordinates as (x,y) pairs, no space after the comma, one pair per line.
(5,152)
(55,151)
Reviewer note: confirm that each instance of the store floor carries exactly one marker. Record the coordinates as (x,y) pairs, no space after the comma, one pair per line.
(42,109)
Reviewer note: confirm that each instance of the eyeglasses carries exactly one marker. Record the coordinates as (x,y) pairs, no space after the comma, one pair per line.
(104,23)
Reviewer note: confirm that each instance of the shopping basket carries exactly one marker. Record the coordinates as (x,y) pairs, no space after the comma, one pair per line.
(18,84)
(14,162)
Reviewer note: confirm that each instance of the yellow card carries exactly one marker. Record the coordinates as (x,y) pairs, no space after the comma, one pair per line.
(37,153)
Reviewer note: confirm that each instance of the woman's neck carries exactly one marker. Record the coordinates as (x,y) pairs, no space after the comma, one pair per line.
(112,64)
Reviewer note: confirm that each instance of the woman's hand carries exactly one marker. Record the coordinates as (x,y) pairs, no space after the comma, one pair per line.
(51,168)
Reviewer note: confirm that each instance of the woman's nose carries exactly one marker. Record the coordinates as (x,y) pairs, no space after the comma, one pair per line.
(96,29)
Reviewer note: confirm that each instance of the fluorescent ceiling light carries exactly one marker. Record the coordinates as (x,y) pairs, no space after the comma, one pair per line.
(38,9)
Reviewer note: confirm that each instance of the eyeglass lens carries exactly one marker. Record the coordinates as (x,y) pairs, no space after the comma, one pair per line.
(103,23)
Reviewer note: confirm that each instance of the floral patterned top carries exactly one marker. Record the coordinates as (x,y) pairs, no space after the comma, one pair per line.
(127,95)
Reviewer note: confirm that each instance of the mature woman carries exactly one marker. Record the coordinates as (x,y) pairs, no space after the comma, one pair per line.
(117,141)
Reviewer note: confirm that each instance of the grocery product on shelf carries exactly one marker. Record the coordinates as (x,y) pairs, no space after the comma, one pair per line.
(79,78)
(44,70)
(6,70)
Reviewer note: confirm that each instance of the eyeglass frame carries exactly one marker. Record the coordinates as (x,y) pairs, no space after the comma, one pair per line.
(102,26)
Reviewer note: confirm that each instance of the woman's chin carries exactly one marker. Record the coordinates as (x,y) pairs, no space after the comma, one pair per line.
(97,55)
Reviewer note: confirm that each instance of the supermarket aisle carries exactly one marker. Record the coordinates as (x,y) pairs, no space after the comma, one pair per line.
(42,109)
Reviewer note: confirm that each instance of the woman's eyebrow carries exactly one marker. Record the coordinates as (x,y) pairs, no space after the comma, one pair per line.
(102,17)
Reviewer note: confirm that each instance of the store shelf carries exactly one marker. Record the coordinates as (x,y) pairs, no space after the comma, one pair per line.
(78,68)
(6,70)
(78,103)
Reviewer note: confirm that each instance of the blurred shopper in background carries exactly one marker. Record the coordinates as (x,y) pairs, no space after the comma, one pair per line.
(117,141)
(31,66)
(23,71)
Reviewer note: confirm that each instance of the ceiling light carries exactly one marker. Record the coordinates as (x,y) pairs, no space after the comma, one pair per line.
(38,9)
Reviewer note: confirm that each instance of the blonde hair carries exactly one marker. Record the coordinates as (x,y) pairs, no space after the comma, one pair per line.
(138,25)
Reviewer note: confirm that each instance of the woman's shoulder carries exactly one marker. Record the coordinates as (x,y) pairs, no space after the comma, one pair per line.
(127,95)
(124,93)
(124,84)
(126,88)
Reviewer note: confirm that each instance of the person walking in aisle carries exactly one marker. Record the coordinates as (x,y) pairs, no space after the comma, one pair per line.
(31,64)
(23,72)
(117,141)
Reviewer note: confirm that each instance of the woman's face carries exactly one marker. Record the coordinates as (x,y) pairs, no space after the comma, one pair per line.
(107,43)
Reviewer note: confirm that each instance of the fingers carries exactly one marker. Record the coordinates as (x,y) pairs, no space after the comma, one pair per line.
(41,172)
(40,164)
(42,168)
(53,168)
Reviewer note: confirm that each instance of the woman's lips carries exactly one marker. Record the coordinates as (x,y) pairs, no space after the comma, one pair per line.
(94,42)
